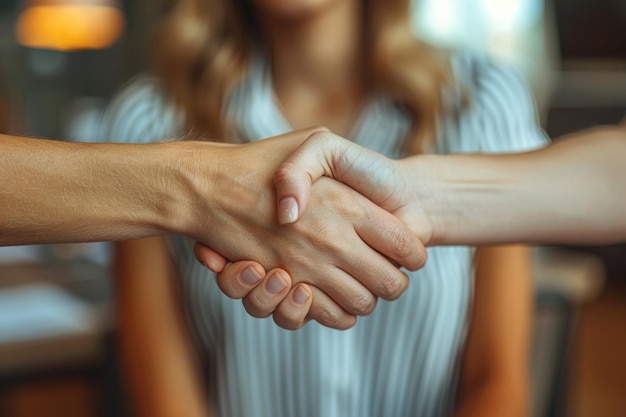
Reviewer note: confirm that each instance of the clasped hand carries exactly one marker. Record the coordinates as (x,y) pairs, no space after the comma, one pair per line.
(316,248)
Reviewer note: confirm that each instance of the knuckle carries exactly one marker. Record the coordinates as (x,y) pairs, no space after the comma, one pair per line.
(329,317)
(418,260)
(423,257)
(392,284)
(333,318)
(403,244)
(320,133)
(285,173)
(363,304)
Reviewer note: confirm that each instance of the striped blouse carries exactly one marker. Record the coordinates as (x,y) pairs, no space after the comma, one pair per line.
(403,359)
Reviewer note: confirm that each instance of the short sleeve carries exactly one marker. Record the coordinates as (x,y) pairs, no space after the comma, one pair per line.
(499,113)
(139,113)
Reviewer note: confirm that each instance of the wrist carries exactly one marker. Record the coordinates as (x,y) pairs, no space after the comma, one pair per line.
(426,190)
(462,195)
(186,180)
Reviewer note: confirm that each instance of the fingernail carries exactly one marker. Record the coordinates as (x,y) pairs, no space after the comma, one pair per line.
(213,267)
(275,284)
(249,276)
(300,295)
(287,210)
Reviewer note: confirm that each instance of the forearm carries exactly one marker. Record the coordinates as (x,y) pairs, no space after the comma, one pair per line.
(493,398)
(494,374)
(160,366)
(571,192)
(54,191)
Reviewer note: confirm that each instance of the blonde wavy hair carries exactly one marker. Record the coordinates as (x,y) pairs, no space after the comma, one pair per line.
(203,49)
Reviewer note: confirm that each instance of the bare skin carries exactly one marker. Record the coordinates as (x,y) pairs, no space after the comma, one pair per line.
(115,192)
(570,192)
(298,40)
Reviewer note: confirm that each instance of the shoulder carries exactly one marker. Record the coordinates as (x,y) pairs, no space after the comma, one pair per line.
(490,107)
(139,113)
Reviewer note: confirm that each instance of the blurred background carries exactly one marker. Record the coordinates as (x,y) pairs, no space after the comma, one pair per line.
(60,63)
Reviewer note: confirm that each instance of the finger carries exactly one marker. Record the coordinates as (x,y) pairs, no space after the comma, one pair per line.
(209,258)
(387,235)
(238,279)
(294,177)
(347,284)
(263,299)
(328,313)
(292,312)
(374,272)
(326,154)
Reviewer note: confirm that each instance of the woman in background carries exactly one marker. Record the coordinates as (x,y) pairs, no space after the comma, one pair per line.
(454,344)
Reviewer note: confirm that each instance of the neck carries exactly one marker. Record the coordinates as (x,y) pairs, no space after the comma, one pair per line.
(321,51)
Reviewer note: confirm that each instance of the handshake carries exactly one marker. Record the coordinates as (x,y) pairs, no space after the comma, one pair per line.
(294,243)
(308,225)
(311,226)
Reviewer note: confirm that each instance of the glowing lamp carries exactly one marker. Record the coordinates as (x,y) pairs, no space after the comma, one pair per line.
(69,25)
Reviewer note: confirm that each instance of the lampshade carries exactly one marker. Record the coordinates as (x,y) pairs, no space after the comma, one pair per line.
(69,25)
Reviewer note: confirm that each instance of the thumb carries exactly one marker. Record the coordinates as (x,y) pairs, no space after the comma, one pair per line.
(326,154)
(296,175)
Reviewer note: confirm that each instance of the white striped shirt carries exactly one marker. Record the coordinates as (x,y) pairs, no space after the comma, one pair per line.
(403,359)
